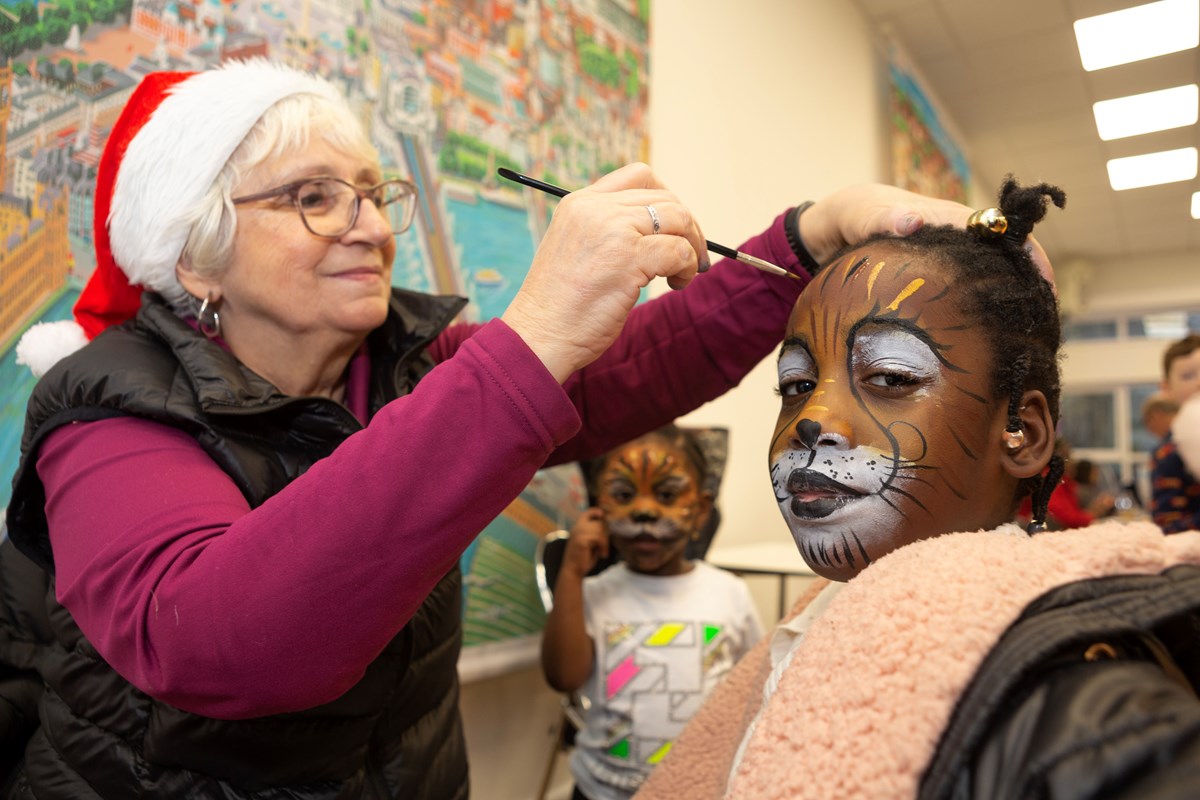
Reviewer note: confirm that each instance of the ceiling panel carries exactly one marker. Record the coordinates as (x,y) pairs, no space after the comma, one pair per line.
(1173,69)
(982,23)
(1026,59)
(922,29)
(1008,77)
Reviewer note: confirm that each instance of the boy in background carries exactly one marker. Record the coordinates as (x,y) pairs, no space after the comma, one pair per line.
(1175,492)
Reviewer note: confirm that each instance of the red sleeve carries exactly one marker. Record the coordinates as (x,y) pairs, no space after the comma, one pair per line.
(1064,507)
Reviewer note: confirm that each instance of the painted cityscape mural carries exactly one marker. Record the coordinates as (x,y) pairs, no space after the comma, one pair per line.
(450,90)
(926,156)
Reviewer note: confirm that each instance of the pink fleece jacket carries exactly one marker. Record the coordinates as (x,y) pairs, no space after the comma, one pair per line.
(860,710)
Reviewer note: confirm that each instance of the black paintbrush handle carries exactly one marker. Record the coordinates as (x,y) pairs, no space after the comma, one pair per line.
(548,188)
(558,191)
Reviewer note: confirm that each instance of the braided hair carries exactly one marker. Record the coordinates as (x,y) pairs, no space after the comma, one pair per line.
(1003,291)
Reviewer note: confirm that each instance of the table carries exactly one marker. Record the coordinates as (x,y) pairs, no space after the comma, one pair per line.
(778,557)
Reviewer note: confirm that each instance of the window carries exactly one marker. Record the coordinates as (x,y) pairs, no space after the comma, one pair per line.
(1172,324)
(1089,420)
(1165,325)
(1096,329)
(1104,426)
(1143,441)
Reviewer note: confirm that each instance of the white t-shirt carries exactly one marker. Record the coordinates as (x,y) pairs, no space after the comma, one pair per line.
(662,644)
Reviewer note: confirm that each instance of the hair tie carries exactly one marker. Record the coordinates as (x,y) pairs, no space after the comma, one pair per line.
(987,223)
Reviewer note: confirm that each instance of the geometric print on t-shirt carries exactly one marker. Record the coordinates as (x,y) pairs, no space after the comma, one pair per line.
(654,679)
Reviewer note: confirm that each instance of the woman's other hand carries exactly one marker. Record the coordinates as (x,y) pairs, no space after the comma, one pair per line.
(598,253)
(850,215)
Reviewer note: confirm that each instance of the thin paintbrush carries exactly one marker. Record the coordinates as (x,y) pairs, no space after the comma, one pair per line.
(719,249)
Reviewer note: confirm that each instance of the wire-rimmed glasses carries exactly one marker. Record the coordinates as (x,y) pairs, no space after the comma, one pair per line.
(329,206)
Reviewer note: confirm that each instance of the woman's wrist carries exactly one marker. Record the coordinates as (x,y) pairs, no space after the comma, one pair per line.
(791,228)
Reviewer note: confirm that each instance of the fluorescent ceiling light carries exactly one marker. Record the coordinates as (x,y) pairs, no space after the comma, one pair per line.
(1146,113)
(1196,205)
(1145,31)
(1152,169)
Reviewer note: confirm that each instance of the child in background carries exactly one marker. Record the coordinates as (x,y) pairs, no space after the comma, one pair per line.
(945,652)
(648,638)
(1157,412)
(1175,492)
(1069,507)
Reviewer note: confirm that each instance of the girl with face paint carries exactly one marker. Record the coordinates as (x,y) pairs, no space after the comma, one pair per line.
(648,638)
(947,652)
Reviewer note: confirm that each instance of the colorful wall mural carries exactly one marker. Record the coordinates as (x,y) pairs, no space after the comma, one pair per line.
(450,90)
(926,157)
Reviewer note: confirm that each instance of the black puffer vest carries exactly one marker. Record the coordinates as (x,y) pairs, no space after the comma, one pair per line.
(397,733)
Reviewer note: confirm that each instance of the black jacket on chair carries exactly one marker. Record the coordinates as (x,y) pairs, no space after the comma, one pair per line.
(397,733)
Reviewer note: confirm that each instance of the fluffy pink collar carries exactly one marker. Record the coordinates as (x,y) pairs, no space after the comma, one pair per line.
(860,710)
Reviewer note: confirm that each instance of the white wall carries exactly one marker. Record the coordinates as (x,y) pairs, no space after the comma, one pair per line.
(755,106)
(753,111)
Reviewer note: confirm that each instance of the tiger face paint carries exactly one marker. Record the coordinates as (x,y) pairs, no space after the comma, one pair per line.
(887,431)
(653,503)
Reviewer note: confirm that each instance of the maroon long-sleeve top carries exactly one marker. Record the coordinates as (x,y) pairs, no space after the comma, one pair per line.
(230,612)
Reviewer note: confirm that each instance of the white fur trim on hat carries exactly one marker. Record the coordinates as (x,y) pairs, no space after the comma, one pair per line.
(44,344)
(173,160)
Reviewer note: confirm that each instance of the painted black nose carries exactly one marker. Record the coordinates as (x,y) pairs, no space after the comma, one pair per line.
(644,516)
(809,431)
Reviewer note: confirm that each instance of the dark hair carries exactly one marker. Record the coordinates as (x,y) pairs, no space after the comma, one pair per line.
(1179,349)
(681,439)
(1002,289)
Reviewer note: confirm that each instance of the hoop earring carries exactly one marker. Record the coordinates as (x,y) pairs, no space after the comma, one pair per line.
(1014,434)
(207,318)
(1014,439)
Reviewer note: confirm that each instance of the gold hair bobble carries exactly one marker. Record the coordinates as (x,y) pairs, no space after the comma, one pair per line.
(1014,440)
(987,222)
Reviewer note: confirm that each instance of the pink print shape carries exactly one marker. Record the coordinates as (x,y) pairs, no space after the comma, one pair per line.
(623,674)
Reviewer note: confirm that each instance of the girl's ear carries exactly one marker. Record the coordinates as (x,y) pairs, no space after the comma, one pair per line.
(1037,446)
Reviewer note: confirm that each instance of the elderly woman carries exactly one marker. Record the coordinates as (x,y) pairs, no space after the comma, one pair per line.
(252,493)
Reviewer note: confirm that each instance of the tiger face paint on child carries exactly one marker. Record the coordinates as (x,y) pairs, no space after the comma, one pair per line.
(887,423)
(653,503)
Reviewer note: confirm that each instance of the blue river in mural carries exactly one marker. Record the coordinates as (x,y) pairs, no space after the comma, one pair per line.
(499,251)
(18,382)
(498,254)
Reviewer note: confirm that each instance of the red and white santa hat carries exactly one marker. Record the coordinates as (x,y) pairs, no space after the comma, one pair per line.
(170,143)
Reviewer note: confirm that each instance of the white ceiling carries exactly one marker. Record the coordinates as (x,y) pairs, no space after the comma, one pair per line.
(1007,73)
